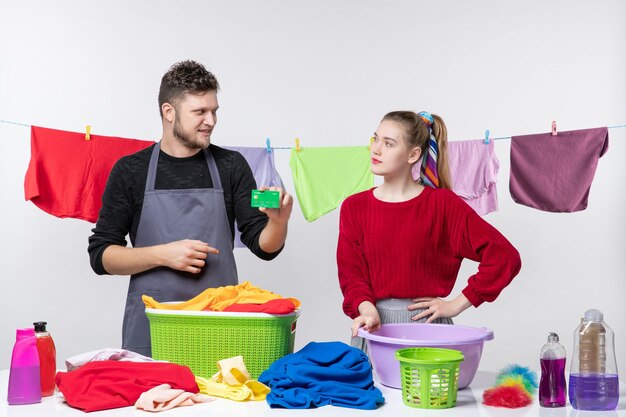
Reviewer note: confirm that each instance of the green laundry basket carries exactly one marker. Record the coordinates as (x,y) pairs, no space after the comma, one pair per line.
(198,339)
(430,376)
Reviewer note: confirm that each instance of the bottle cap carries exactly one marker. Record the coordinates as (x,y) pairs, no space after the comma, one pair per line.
(593,315)
(24,333)
(553,337)
(40,326)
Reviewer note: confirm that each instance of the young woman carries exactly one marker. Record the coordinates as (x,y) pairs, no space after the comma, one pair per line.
(401,244)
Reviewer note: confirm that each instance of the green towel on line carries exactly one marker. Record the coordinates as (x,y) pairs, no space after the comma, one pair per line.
(325,176)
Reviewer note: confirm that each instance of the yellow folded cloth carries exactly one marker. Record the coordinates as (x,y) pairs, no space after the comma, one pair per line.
(233,382)
(250,391)
(217,299)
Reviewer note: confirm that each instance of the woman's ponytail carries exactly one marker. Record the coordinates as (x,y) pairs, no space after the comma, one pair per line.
(443,168)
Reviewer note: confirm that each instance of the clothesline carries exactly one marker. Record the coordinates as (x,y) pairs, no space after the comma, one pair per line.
(291,147)
(14,123)
(340,171)
(498,138)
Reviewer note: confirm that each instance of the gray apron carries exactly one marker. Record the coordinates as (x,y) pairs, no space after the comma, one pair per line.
(168,216)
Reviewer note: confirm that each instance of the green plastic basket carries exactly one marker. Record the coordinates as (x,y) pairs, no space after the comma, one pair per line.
(198,339)
(430,376)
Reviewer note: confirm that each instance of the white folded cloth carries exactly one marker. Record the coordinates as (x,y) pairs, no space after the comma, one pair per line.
(107,354)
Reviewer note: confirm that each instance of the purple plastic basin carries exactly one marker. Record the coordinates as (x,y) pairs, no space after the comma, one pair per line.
(383,344)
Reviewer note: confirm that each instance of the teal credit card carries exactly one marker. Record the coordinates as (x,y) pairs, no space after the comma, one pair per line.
(267,199)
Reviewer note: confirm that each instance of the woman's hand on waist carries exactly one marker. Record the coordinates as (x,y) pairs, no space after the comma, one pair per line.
(437,307)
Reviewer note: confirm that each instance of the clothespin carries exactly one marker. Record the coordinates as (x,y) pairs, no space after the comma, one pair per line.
(88,134)
(553,128)
(372,139)
(297,144)
(267,144)
(486,137)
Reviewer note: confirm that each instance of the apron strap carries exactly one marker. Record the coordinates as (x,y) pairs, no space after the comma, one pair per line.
(152,167)
(215,175)
(154,162)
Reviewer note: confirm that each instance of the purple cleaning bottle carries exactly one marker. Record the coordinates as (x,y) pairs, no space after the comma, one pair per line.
(24,381)
(552,385)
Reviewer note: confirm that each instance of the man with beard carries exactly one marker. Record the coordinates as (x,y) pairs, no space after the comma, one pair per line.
(178,201)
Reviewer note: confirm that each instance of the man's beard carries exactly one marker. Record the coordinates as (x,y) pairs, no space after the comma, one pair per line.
(187,140)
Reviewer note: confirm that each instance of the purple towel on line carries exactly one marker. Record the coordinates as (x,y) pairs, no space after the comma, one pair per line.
(264,171)
(554,173)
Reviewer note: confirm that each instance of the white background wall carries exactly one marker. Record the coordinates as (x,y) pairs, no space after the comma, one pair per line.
(325,71)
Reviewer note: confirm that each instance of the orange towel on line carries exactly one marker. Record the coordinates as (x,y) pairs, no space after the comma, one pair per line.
(67,174)
(217,299)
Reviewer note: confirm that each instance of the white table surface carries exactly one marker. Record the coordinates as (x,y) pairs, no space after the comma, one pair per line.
(469,404)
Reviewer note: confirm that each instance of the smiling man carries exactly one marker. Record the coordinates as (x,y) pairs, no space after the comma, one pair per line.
(178,201)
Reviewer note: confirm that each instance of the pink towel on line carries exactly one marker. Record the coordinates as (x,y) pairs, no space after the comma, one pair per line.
(554,173)
(474,171)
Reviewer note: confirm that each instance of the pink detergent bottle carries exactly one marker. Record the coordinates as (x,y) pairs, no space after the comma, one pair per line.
(24,383)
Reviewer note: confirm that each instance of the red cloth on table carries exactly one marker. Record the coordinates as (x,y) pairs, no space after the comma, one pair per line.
(105,385)
(67,174)
(278,306)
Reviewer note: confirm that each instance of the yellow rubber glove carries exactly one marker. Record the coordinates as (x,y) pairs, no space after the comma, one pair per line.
(232,371)
(250,390)
(233,382)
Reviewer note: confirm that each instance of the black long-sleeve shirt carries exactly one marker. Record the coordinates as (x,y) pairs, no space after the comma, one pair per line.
(123,197)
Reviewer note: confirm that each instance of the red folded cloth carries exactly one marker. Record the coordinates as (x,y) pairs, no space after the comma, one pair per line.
(105,385)
(278,306)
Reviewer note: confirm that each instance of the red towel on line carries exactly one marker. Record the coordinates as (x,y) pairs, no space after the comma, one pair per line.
(67,174)
(105,385)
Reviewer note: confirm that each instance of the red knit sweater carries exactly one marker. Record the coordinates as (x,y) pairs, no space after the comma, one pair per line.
(414,249)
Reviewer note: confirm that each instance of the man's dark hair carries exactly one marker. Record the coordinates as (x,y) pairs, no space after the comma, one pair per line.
(182,78)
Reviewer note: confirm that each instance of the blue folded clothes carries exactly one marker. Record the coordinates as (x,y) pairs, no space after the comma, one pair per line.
(322,373)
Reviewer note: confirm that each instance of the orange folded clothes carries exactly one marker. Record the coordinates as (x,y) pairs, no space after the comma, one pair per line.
(279,306)
(217,299)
